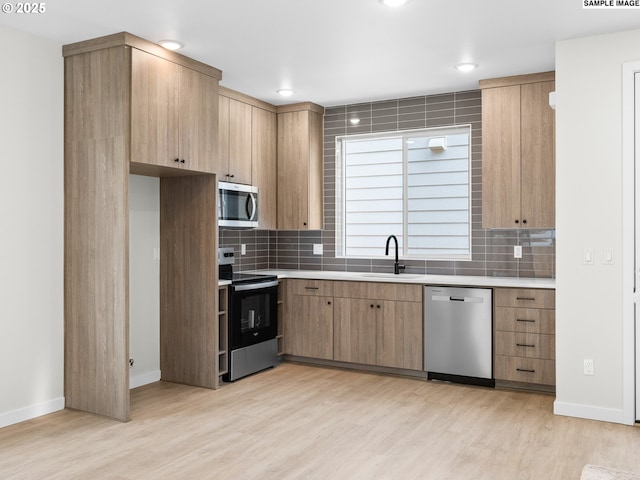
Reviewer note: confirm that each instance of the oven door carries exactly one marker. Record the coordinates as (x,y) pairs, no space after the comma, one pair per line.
(253,313)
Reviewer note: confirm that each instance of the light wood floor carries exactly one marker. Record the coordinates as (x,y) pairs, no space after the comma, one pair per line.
(303,422)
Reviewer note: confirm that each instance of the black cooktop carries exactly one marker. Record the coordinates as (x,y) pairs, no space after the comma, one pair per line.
(239,278)
(226,273)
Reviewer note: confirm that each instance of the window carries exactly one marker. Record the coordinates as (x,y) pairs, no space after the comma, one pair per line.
(414,185)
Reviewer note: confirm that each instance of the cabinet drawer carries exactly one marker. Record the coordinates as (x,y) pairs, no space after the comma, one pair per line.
(527,370)
(380,291)
(526,320)
(321,288)
(528,345)
(524,298)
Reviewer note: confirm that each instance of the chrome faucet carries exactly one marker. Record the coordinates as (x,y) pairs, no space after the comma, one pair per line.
(396,266)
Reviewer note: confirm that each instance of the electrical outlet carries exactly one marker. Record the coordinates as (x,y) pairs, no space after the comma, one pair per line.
(243,249)
(588,366)
(517,251)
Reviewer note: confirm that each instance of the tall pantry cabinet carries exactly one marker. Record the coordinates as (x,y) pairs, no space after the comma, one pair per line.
(124,115)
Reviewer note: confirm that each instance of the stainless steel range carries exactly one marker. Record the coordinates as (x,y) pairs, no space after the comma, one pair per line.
(253,321)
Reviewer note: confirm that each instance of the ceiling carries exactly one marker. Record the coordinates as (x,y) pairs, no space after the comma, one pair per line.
(336,52)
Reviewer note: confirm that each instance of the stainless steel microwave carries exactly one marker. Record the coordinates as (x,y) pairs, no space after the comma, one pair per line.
(237,205)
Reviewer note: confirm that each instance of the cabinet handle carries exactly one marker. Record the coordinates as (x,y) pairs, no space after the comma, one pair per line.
(311,288)
(378,306)
(304,223)
(517,221)
(524,221)
(525,320)
(525,370)
(525,345)
(371,305)
(177,160)
(530,299)
(182,161)
(328,303)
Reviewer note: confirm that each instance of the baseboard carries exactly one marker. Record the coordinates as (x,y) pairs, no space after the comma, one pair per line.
(589,412)
(144,379)
(32,411)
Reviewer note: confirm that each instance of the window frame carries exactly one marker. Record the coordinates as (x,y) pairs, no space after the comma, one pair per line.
(340,193)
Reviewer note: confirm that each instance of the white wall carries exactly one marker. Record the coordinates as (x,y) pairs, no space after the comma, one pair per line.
(144,279)
(589,321)
(31,239)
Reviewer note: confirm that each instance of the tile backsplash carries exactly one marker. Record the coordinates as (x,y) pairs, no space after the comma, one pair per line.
(492,250)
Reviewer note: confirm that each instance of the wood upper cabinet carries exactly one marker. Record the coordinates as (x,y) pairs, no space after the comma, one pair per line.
(518,152)
(235,141)
(264,135)
(300,169)
(247,143)
(174,122)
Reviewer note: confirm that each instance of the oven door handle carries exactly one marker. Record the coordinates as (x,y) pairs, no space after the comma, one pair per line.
(254,286)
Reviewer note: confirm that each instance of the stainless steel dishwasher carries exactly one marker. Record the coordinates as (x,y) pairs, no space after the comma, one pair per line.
(458,339)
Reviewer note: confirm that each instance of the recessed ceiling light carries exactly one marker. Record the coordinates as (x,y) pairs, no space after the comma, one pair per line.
(285,92)
(171,44)
(466,67)
(394,3)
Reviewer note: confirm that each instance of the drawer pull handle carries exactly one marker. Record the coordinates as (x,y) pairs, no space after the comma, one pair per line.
(525,320)
(530,299)
(311,288)
(525,345)
(525,370)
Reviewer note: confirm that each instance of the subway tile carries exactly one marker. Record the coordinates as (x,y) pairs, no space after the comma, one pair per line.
(492,250)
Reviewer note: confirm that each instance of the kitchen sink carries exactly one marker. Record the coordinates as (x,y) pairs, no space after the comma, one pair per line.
(390,275)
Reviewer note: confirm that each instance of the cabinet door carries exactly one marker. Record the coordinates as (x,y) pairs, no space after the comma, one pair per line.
(223,138)
(356,330)
(239,142)
(198,121)
(399,342)
(538,156)
(263,164)
(310,332)
(293,170)
(154,110)
(501,157)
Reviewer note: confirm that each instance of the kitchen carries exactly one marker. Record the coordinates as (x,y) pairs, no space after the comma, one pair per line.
(592,294)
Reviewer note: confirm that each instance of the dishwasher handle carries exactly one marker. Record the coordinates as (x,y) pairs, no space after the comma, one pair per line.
(451,298)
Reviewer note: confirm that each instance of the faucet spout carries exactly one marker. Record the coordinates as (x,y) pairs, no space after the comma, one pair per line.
(396,265)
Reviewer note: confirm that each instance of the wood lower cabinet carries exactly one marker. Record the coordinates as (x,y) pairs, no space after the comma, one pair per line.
(374,324)
(518,152)
(524,335)
(308,326)
(378,324)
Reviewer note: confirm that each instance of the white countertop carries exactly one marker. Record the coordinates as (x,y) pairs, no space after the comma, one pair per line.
(222,283)
(457,280)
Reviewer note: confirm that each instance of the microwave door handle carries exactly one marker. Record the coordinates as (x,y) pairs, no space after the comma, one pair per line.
(251,212)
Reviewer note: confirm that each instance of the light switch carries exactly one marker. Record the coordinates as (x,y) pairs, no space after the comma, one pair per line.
(608,256)
(588,256)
